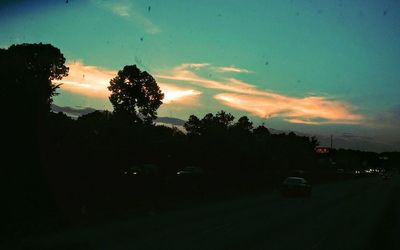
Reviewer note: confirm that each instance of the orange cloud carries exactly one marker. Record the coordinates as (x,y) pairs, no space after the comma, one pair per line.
(307,110)
(263,103)
(92,81)
(87,80)
(178,95)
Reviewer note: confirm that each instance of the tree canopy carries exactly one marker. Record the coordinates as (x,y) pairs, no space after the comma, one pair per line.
(27,71)
(135,94)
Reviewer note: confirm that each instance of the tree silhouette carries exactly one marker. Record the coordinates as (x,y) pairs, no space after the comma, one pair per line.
(210,124)
(27,71)
(26,93)
(135,95)
(224,119)
(243,124)
(207,123)
(261,131)
(193,125)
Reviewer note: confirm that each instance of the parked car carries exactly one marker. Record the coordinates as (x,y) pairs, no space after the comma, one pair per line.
(294,186)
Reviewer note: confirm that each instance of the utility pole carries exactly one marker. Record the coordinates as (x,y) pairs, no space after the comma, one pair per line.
(331,141)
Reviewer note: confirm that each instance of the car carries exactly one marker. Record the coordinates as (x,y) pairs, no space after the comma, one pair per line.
(295,186)
(142,170)
(134,170)
(190,170)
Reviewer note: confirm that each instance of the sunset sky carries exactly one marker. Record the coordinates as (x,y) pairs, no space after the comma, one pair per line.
(318,67)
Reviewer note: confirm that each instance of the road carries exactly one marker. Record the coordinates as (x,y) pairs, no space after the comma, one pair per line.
(353,214)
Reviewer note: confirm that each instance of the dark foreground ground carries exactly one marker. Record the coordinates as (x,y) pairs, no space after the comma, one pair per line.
(353,214)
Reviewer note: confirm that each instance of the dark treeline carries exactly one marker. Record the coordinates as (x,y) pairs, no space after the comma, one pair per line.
(60,171)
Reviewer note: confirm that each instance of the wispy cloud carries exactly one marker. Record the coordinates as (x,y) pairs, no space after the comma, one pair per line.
(120,10)
(307,110)
(178,95)
(232,70)
(247,97)
(87,80)
(127,10)
(185,73)
(93,81)
(185,66)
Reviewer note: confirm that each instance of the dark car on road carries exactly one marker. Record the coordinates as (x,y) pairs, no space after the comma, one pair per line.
(295,186)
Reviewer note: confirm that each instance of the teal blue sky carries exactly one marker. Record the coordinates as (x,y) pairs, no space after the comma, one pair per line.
(341,56)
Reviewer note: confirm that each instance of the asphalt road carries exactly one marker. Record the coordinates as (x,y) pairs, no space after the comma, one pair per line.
(354,214)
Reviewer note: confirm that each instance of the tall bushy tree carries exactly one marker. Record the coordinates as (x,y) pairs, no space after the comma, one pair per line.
(135,94)
(27,71)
